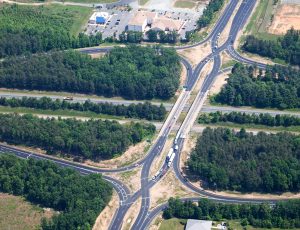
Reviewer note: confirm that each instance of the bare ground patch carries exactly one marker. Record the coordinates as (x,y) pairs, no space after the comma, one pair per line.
(218,84)
(132,178)
(188,147)
(168,186)
(196,54)
(286,16)
(104,219)
(183,75)
(132,154)
(16,213)
(203,74)
(97,55)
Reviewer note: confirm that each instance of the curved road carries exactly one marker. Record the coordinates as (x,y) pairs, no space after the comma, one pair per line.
(126,199)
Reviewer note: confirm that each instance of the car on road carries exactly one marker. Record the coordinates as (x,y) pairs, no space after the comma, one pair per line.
(68,98)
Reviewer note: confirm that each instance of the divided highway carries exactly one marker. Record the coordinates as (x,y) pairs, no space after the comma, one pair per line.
(145,216)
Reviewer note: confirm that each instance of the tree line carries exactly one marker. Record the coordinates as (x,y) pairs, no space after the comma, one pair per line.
(27,29)
(141,110)
(228,160)
(92,139)
(277,87)
(162,36)
(286,48)
(79,199)
(209,12)
(132,72)
(284,214)
(151,36)
(244,118)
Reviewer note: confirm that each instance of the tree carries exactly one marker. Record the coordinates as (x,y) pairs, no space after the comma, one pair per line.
(63,189)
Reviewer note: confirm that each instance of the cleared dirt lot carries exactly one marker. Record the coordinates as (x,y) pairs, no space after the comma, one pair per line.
(103,220)
(286,16)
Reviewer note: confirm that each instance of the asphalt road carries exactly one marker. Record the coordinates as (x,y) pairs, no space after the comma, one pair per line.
(126,199)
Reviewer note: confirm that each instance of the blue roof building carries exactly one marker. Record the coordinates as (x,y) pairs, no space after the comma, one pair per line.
(100,20)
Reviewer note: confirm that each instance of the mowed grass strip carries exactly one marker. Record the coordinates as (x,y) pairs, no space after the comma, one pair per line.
(260,20)
(184,4)
(59,112)
(76,1)
(173,224)
(16,213)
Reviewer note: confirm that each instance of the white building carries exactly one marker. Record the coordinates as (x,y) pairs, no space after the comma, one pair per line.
(140,20)
(198,225)
(166,24)
(95,15)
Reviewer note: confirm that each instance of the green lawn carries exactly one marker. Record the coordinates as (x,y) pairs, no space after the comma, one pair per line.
(256,127)
(68,113)
(228,64)
(77,1)
(55,17)
(79,15)
(260,20)
(179,224)
(173,224)
(142,2)
(16,213)
(89,1)
(184,4)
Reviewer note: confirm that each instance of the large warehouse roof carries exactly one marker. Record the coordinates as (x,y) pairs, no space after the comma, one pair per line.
(166,24)
(140,17)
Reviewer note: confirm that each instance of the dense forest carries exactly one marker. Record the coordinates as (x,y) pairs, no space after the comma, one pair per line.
(92,139)
(162,36)
(141,110)
(79,199)
(286,48)
(277,87)
(208,13)
(30,29)
(283,215)
(132,72)
(241,161)
(243,118)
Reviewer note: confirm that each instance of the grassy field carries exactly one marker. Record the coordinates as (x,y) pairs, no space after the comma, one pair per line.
(261,19)
(173,224)
(56,17)
(184,4)
(16,213)
(67,113)
(228,64)
(78,14)
(77,1)
(142,2)
(29,93)
(178,224)
(255,127)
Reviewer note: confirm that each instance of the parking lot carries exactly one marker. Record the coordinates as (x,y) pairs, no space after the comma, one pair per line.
(189,19)
(115,24)
(118,20)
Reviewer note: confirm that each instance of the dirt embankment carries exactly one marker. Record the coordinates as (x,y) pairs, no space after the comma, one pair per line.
(132,154)
(169,186)
(105,217)
(286,16)
(196,54)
